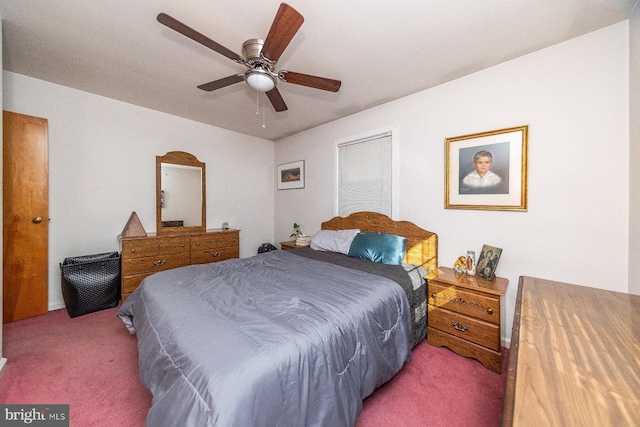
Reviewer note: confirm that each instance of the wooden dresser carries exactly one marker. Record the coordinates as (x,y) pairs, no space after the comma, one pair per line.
(143,256)
(464,315)
(575,357)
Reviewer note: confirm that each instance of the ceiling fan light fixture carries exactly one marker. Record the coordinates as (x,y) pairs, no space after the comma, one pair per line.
(260,80)
(261,74)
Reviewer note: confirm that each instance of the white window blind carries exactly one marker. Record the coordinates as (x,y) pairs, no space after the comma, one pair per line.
(365,176)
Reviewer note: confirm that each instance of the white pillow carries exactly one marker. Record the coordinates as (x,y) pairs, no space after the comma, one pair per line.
(333,240)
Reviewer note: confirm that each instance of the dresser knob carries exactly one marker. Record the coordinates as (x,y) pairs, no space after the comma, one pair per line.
(159,262)
(133,250)
(490,311)
(216,254)
(197,243)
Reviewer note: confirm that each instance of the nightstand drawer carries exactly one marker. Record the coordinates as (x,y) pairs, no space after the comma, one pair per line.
(214,255)
(154,264)
(477,331)
(475,304)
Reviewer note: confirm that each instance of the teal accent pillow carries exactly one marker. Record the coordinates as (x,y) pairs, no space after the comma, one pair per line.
(379,247)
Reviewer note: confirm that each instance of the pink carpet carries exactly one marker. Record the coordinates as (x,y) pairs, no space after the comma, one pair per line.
(91,363)
(438,388)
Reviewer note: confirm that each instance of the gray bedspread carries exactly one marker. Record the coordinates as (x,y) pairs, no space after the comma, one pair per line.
(409,277)
(272,340)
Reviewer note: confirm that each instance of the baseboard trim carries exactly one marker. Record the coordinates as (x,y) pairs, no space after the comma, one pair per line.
(3,363)
(56,305)
(506,342)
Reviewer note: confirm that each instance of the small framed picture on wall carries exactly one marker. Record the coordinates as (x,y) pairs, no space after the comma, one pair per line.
(487,170)
(291,175)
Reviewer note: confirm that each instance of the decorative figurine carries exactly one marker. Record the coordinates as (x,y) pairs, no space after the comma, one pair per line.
(461,265)
(471,263)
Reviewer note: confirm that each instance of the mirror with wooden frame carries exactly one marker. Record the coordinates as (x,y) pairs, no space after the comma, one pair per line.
(180,193)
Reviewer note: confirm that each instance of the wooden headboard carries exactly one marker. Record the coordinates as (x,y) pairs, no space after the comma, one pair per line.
(422,245)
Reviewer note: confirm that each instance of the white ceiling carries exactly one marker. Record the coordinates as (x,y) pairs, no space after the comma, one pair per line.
(381,50)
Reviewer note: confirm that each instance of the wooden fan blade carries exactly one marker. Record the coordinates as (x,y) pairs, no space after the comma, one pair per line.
(178,26)
(220,83)
(276,100)
(285,25)
(312,81)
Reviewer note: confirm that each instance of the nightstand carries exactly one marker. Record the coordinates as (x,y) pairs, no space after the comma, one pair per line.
(285,246)
(464,315)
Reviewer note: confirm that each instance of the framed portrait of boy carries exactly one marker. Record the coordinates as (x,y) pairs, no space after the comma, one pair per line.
(487,170)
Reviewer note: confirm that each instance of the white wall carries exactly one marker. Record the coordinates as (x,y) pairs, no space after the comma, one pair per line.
(574,97)
(634,152)
(102,160)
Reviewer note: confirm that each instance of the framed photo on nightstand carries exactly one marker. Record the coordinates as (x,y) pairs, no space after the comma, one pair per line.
(488,261)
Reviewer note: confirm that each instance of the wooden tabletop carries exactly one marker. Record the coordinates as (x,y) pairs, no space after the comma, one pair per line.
(575,357)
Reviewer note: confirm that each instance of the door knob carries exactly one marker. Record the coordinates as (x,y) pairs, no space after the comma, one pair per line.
(37,220)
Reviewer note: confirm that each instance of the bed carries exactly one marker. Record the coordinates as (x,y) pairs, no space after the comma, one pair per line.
(284,338)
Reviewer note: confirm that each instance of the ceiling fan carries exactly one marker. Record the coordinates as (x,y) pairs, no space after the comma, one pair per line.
(259,56)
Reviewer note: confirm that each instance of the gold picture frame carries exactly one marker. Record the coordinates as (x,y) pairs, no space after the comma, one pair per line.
(487,170)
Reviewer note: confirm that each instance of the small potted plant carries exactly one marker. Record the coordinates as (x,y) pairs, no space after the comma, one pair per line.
(297,232)
(301,239)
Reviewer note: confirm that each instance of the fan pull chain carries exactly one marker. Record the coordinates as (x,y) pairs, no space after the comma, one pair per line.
(264,125)
(257,107)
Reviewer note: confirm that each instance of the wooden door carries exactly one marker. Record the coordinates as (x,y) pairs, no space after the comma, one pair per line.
(25,216)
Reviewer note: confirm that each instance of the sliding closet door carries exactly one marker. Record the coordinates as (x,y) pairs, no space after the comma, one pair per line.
(25,216)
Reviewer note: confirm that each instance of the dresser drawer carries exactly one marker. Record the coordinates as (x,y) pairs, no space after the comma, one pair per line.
(477,331)
(153,247)
(214,240)
(475,304)
(131,283)
(214,255)
(154,264)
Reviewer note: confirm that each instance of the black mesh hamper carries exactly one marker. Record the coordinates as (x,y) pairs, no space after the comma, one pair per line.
(90,282)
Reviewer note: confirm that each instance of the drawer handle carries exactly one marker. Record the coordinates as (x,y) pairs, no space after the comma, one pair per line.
(133,250)
(462,302)
(197,243)
(159,262)
(216,254)
(159,247)
(459,326)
